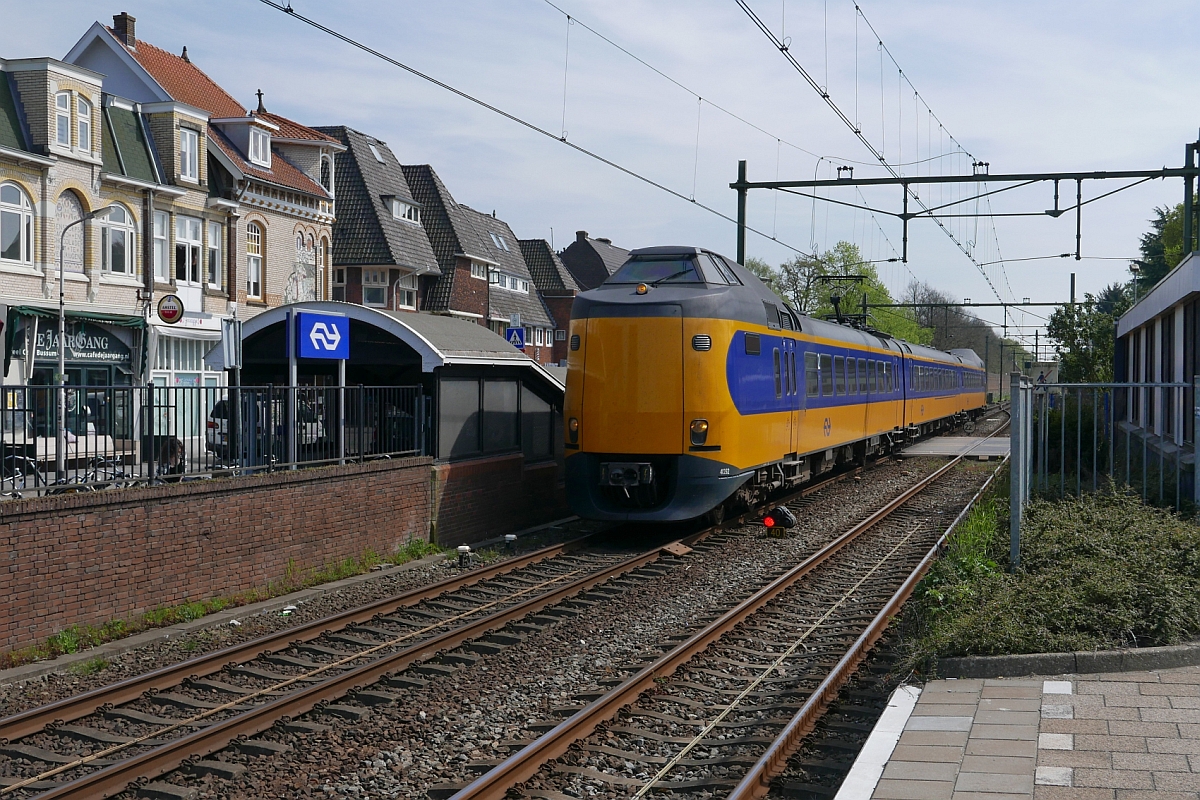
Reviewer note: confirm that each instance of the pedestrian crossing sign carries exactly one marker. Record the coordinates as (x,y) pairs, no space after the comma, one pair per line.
(516,337)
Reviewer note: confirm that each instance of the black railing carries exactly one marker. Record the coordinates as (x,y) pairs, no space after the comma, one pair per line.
(118,436)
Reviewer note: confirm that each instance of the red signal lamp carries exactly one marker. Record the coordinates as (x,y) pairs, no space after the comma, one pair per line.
(779,517)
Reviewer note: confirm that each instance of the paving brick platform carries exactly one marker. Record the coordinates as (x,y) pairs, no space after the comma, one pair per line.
(1112,736)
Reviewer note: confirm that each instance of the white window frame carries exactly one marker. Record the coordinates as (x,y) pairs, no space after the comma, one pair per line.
(162,246)
(405,292)
(374,280)
(62,119)
(260,147)
(479,270)
(23,211)
(375,152)
(189,155)
(254,261)
(405,211)
(213,262)
(189,244)
(110,233)
(83,111)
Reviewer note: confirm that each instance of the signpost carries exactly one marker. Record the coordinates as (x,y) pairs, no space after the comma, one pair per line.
(323,336)
(515,337)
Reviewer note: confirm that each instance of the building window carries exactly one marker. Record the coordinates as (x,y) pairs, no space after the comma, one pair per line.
(537,337)
(85,125)
(495,278)
(406,292)
(117,242)
(162,267)
(498,240)
(375,152)
(405,211)
(479,270)
(254,261)
(560,335)
(189,154)
(187,250)
(16,225)
(62,118)
(322,261)
(374,287)
(260,147)
(339,285)
(215,234)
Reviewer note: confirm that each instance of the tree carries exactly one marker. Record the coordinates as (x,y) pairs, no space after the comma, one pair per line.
(1161,246)
(1085,337)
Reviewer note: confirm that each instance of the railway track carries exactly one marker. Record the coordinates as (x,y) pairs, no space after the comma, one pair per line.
(98,743)
(721,712)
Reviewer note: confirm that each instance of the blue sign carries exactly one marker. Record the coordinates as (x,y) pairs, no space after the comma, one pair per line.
(323,335)
(516,337)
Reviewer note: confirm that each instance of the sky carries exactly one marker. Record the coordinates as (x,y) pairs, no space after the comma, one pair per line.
(1025,86)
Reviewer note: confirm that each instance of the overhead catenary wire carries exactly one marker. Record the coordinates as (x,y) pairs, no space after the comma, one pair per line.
(291,12)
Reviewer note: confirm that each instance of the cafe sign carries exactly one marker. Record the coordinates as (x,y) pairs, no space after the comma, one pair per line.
(86,342)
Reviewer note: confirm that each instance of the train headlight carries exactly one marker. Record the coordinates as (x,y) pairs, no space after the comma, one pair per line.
(699,431)
(573,430)
(642,288)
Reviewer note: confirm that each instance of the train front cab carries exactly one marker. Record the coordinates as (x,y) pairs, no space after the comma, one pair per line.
(640,390)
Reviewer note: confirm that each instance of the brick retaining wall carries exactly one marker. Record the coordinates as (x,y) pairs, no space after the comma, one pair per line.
(88,558)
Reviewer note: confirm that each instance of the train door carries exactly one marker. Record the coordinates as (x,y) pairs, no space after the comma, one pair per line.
(903,387)
(793,396)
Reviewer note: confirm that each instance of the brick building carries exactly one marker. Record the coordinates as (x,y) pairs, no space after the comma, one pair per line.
(557,289)
(381,255)
(239,216)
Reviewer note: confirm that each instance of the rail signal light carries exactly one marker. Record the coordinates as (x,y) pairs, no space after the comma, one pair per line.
(779,517)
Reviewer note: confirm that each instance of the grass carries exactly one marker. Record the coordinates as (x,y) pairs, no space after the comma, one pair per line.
(77,638)
(1100,572)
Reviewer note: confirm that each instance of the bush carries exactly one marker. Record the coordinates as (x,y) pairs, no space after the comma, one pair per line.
(1100,572)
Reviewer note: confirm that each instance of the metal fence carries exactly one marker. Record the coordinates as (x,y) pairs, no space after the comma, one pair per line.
(118,436)
(1071,438)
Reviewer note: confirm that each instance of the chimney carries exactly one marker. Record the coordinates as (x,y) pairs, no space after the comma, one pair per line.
(123,29)
(184,56)
(581,236)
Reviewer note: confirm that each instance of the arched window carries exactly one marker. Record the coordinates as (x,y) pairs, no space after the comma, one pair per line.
(68,209)
(254,261)
(308,245)
(62,118)
(322,261)
(327,174)
(84,111)
(16,225)
(118,242)
(299,244)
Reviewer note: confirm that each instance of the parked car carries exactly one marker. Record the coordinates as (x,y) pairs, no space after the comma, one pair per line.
(260,435)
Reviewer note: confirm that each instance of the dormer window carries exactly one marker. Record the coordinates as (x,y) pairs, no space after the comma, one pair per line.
(405,211)
(260,147)
(189,154)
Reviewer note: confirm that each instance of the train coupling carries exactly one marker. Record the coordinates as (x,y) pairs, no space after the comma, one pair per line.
(626,473)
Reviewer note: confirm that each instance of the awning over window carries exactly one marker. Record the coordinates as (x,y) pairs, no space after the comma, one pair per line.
(16,312)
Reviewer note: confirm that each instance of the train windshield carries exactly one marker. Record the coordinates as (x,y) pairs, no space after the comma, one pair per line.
(668,269)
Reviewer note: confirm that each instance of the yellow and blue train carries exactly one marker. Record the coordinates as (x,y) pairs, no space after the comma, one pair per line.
(691,389)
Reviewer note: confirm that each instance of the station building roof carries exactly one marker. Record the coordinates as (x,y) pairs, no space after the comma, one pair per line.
(439,341)
(1178,285)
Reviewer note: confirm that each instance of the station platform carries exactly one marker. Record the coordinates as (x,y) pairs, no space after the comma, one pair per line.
(1113,736)
(973,446)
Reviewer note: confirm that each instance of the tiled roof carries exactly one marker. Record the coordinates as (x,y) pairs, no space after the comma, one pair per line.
(282,172)
(290,129)
(592,261)
(184,81)
(505,302)
(448,229)
(126,150)
(548,271)
(12,135)
(365,231)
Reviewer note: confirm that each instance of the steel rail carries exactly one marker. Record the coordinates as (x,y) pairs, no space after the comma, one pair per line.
(757,782)
(524,764)
(112,779)
(68,709)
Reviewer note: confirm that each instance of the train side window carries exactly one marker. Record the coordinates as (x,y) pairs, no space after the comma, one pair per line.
(862,376)
(778,378)
(792,371)
(839,376)
(826,372)
(812,378)
(871,385)
(851,377)
(885,378)
(753,344)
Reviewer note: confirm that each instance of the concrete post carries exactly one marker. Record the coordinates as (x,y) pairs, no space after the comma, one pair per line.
(1016,468)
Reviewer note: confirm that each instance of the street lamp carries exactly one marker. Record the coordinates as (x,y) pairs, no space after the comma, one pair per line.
(60,443)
